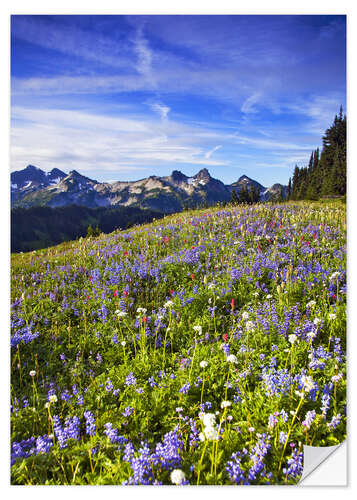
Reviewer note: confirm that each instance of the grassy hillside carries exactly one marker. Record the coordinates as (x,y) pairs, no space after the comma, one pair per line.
(205,348)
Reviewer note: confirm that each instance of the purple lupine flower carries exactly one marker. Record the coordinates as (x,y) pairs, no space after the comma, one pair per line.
(283,437)
(185,388)
(294,465)
(43,444)
(72,427)
(59,432)
(109,386)
(130,379)
(335,421)
(284,416)
(167,454)
(194,433)
(128,411)
(309,418)
(112,434)
(66,396)
(90,423)
(235,471)
(80,400)
(257,456)
(273,419)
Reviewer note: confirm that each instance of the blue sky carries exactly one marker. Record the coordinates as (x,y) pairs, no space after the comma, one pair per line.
(124,97)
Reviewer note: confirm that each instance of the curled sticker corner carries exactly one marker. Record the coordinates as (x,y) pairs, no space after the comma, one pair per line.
(314,456)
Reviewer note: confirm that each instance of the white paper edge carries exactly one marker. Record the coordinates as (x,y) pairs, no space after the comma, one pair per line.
(325,466)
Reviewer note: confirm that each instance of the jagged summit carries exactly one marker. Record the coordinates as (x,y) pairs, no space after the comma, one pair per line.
(178,176)
(56,172)
(203,174)
(247,182)
(73,174)
(32,187)
(244,178)
(32,168)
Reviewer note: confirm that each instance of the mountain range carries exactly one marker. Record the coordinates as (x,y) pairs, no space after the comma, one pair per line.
(33,187)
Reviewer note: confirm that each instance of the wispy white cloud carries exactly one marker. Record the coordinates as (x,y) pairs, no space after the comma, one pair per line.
(144,57)
(68,38)
(271,144)
(248,105)
(70,139)
(76,85)
(161,109)
(211,151)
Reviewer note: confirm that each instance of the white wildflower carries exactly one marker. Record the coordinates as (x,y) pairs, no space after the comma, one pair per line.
(225,404)
(141,310)
(331,316)
(121,314)
(211,434)
(203,364)
(334,275)
(232,359)
(53,398)
(269,296)
(32,373)
(245,315)
(177,476)
(249,325)
(123,343)
(198,329)
(312,303)
(168,304)
(311,335)
(208,419)
(292,338)
(336,378)
(308,382)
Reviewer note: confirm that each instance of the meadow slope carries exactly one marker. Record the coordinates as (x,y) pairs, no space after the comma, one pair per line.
(204,348)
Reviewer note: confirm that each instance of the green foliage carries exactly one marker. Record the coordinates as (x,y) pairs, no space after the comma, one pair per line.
(234,198)
(325,174)
(40,227)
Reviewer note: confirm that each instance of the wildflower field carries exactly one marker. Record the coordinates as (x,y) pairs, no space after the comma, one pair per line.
(204,348)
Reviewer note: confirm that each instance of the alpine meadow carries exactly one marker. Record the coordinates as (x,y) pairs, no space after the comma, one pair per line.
(178,249)
(210,343)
